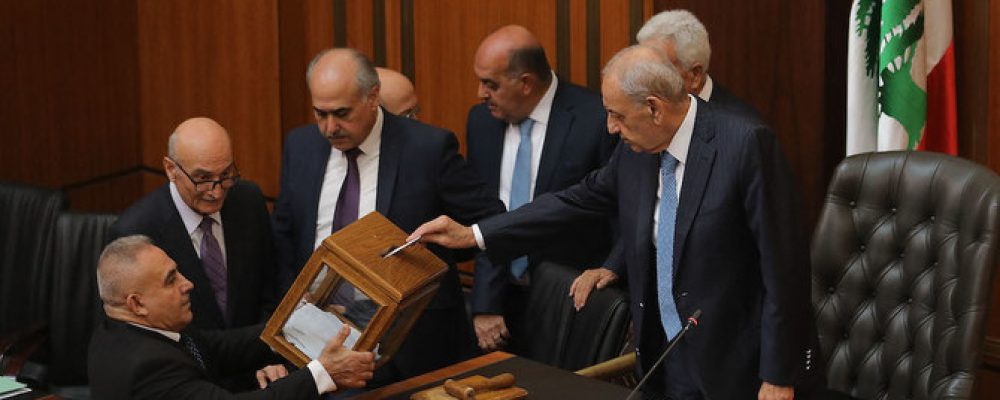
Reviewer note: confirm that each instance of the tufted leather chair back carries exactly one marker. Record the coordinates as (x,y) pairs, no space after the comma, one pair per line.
(903,262)
(562,337)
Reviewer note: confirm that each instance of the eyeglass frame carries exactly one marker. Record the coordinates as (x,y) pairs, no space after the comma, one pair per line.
(221,182)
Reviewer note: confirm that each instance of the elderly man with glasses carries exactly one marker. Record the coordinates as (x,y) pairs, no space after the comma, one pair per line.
(213,224)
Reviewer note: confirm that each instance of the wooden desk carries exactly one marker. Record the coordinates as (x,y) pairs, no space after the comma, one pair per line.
(541,381)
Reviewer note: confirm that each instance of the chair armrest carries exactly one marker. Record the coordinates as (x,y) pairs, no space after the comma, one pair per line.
(613,368)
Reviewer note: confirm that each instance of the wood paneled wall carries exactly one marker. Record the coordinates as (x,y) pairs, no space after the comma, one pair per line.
(90,90)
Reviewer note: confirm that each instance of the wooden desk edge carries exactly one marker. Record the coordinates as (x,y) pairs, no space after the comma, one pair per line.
(434,376)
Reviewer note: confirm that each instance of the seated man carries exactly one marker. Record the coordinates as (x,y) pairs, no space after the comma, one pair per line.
(139,352)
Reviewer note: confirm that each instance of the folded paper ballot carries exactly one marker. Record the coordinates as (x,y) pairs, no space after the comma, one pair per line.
(310,329)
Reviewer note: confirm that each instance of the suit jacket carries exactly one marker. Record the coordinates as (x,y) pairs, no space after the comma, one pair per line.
(127,362)
(726,100)
(250,260)
(739,254)
(723,100)
(420,176)
(576,143)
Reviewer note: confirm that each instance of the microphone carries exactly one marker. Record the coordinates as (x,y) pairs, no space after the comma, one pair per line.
(691,322)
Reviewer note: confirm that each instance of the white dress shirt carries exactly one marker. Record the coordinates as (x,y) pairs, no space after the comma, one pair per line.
(336,171)
(512,139)
(706,91)
(192,219)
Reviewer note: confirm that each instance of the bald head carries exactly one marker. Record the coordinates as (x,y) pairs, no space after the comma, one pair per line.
(513,73)
(517,47)
(198,137)
(397,93)
(200,164)
(340,67)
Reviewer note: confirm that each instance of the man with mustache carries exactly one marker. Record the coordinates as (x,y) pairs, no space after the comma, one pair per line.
(358,158)
(533,133)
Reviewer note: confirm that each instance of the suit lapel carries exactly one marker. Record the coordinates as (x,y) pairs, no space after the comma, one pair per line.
(388,163)
(491,140)
(177,243)
(648,181)
(700,159)
(235,239)
(560,121)
(314,179)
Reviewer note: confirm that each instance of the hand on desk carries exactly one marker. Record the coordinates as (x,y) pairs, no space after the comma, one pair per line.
(774,392)
(491,331)
(348,368)
(445,232)
(587,281)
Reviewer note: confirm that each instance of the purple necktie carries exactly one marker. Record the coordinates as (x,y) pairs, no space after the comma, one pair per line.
(347,212)
(350,192)
(215,267)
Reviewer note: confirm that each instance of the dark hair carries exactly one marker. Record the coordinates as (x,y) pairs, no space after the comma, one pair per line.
(531,60)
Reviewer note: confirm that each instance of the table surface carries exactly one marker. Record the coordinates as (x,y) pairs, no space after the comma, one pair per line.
(540,380)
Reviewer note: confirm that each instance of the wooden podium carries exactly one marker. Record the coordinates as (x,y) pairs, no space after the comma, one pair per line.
(348,281)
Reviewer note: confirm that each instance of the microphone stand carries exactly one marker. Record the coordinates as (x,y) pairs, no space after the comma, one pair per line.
(691,321)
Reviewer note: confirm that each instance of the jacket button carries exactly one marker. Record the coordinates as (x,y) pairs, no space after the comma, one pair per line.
(641,305)
(684,294)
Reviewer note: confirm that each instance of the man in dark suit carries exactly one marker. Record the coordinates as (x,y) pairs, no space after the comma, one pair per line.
(357,159)
(684,41)
(708,222)
(567,139)
(233,267)
(144,351)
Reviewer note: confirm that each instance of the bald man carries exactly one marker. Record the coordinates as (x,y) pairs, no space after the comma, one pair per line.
(397,93)
(356,159)
(213,224)
(532,134)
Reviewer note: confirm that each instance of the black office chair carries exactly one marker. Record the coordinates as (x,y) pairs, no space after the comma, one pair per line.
(27,220)
(903,260)
(562,337)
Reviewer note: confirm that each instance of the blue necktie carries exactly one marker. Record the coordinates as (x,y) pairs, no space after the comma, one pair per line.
(665,246)
(520,186)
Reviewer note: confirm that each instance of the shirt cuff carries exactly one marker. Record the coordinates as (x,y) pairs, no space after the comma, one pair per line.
(324,383)
(479,237)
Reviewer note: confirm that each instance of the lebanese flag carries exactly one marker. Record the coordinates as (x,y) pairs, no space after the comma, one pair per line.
(901,77)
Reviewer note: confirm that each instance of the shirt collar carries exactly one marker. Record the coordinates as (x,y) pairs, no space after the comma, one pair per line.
(544,106)
(190,217)
(175,336)
(681,142)
(706,91)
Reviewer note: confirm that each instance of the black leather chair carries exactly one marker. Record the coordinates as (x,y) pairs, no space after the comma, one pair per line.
(27,220)
(76,307)
(563,337)
(903,260)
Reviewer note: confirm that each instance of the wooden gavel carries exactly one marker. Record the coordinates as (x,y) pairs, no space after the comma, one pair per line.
(468,391)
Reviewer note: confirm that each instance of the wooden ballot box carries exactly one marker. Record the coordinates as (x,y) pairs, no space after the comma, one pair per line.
(348,280)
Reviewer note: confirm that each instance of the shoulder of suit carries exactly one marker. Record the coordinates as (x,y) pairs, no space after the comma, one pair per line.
(146,213)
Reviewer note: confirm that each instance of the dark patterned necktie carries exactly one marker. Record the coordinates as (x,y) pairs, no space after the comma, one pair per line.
(215,267)
(193,350)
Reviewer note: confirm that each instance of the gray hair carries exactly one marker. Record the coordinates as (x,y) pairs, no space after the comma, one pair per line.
(172,146)
(531,60)
(117,266)
(644,71)
(366,76)
(685,31)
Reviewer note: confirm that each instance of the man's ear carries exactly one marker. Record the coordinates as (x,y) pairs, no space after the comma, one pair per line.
(134,305)
(655,106)
(695,78)
(169,168)
(372,97)
(528,83)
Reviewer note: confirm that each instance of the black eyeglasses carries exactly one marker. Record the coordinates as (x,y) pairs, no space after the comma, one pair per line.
(208,185)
